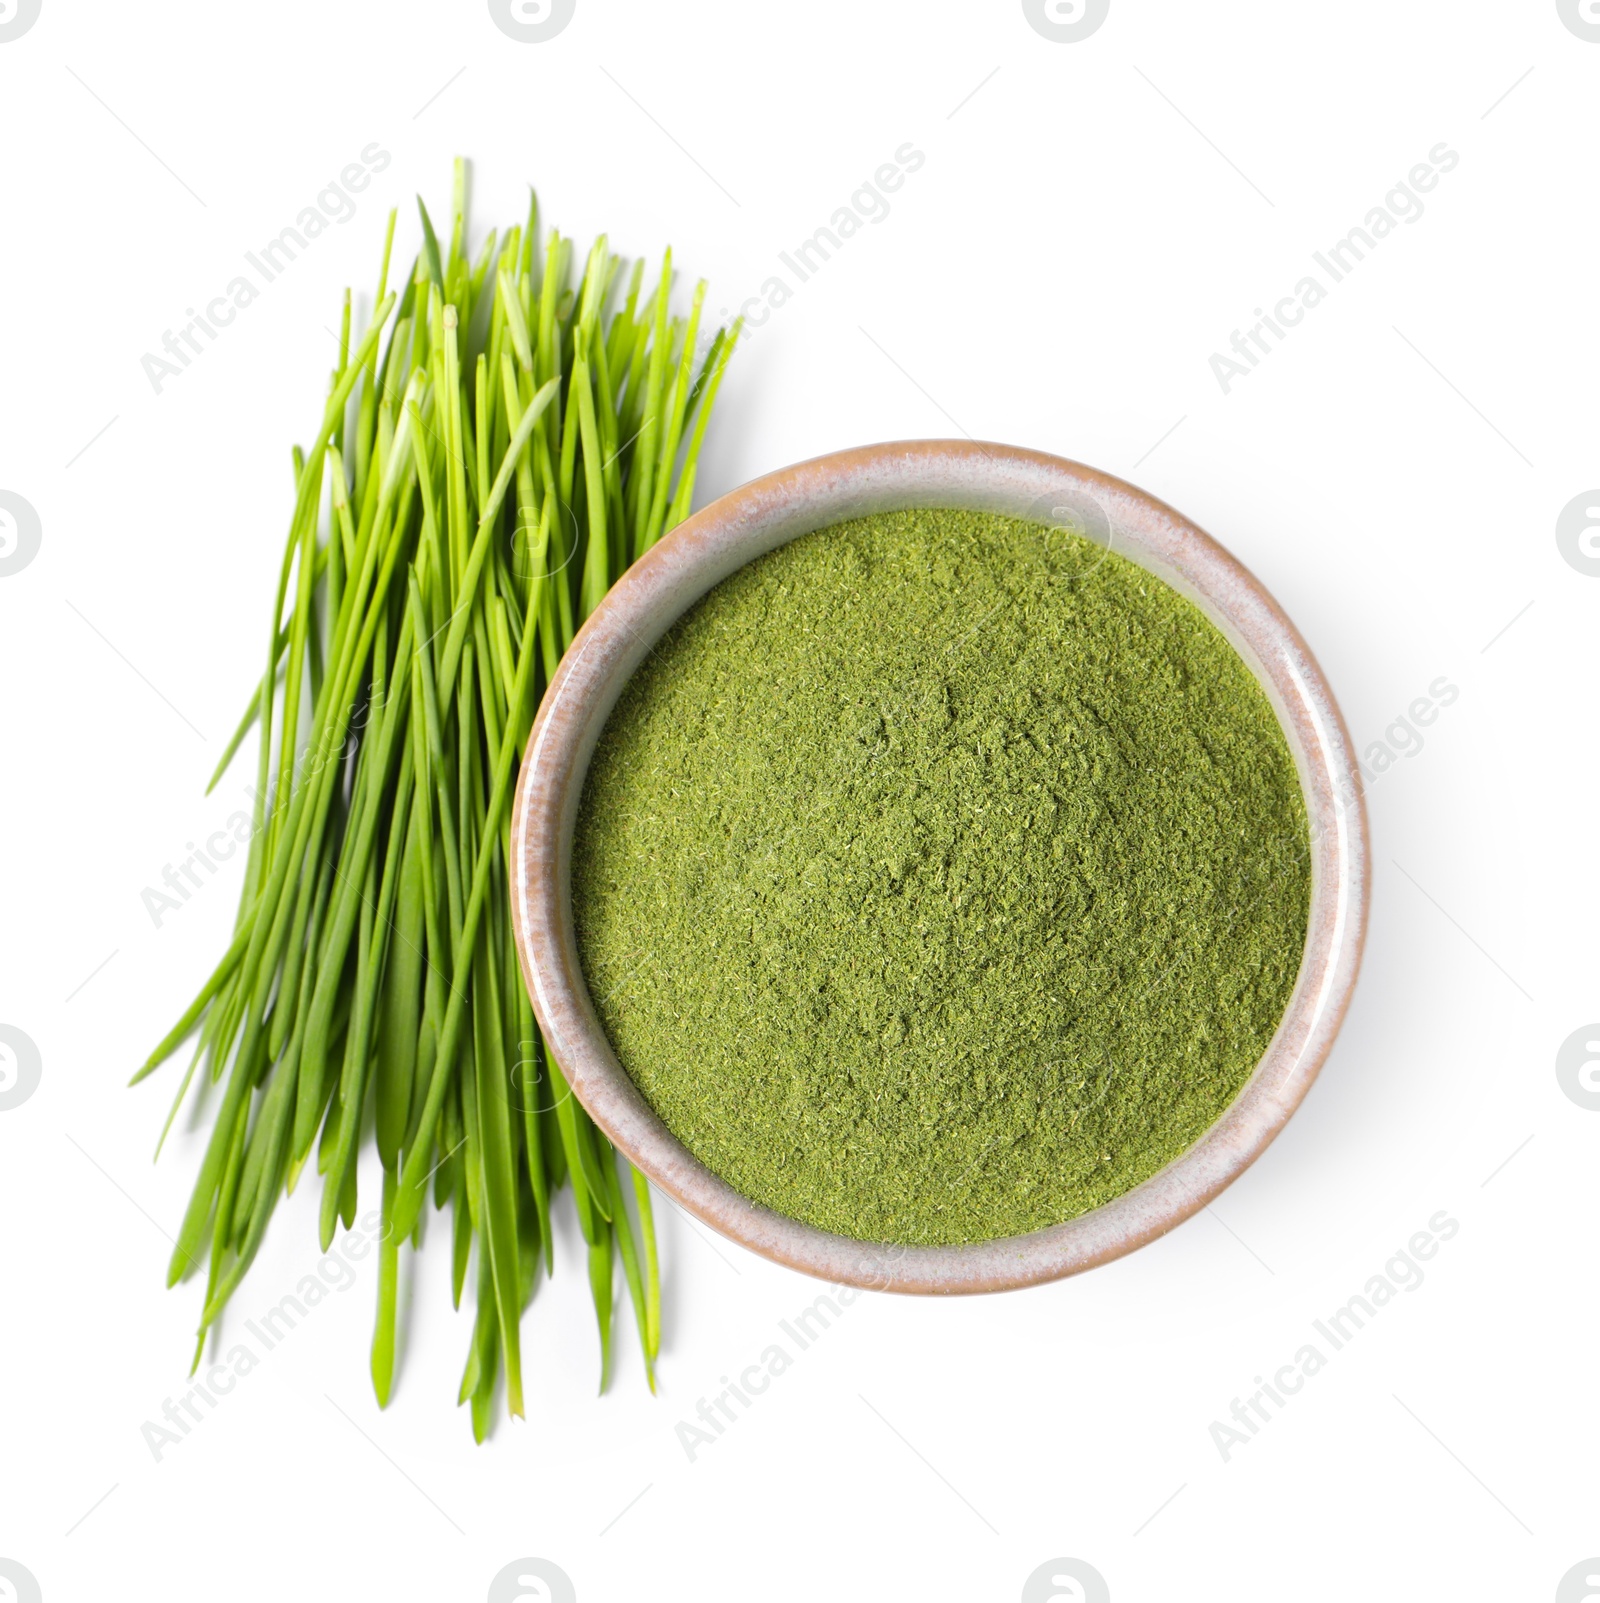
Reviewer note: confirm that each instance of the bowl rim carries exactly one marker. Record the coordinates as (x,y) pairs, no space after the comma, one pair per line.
(767,512)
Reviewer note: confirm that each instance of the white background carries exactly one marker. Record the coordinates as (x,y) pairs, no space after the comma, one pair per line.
(1092,222)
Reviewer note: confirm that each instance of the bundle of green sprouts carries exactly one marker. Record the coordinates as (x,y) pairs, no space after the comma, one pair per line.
(477,483)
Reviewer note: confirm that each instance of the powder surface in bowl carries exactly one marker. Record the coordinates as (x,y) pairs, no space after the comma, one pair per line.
(940,877)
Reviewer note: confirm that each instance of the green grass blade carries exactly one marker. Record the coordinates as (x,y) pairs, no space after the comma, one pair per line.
(383,1334)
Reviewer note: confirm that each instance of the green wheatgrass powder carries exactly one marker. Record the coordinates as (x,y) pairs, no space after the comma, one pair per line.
(940,877)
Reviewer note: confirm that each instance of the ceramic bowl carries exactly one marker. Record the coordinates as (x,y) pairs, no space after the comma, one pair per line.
(995,478)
